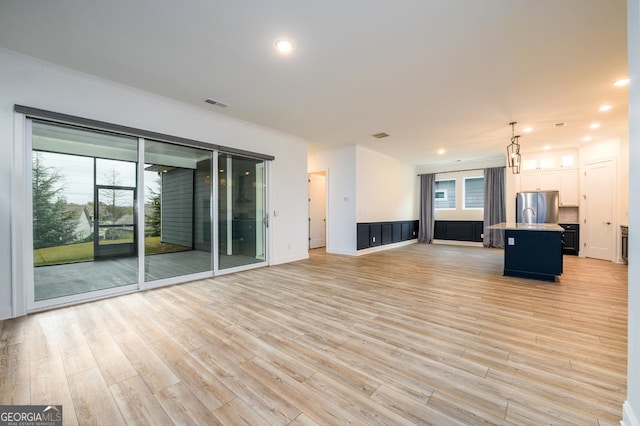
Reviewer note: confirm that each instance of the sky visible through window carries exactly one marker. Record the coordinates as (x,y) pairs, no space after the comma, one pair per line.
(76,174)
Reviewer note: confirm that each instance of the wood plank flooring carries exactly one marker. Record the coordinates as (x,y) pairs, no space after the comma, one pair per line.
(416,335)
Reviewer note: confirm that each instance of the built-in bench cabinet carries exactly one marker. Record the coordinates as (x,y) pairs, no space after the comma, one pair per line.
(459,230)
(373,234)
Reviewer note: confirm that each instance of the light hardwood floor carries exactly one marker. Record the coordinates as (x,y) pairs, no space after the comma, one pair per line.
(417,335)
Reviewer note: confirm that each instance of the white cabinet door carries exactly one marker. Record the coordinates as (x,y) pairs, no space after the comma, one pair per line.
(528,182)
(569,189)
(549,181)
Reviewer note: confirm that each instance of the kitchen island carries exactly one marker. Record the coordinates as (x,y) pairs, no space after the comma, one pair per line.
(532,250)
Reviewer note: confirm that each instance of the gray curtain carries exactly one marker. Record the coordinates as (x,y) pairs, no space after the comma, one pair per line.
(495,210)
(425,229)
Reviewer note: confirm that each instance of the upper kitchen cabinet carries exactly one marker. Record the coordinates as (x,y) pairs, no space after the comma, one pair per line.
(552,171)
(550,160)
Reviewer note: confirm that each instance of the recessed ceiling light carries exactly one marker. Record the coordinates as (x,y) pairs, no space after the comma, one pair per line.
(594,125)
(621,82)
(527,129)
(587,138)
(441,151)
(546,147)
(605,108)
(284,46)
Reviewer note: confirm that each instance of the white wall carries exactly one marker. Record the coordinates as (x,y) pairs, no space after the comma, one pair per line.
(600,150)
(623,174)
(632,405)
(340,165)
(385,188)
(38,84)
(462,165)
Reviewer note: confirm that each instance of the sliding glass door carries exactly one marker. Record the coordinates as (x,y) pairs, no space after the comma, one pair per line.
(83,196)
(107,218)
(242,220)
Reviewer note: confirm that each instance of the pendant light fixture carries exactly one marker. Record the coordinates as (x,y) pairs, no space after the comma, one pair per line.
(513,150)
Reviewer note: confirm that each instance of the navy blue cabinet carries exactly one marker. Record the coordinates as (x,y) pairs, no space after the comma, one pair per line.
(570,238)
(533,254)
(458,230)
(373,234)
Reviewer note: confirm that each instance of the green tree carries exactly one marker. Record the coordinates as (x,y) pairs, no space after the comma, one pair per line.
(53,225)
(153,218)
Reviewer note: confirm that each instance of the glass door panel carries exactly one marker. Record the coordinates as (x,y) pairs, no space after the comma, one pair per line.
(115,221)
(241,211)
(177,214)
(83,197)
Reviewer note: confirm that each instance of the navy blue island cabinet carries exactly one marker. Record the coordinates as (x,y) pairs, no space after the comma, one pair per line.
(530,253)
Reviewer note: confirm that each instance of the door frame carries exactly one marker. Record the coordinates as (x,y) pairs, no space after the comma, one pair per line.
(21,199)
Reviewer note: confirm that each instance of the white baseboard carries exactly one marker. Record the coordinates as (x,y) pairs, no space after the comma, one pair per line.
(343,252)
(289,259)
(5,313)
(385,247)
(629,418)
(458,243)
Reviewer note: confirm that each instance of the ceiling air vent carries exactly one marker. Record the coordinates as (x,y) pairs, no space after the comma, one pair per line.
(560,124)
(381,135)
(216,103)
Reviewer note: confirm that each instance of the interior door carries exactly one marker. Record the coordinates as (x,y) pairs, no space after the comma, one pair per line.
(317,210)
(599,192)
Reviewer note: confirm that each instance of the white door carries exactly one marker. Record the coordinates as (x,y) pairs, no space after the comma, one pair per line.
(598,224)
(317,210)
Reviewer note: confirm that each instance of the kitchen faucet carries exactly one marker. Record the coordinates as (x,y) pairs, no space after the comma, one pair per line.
(533,212)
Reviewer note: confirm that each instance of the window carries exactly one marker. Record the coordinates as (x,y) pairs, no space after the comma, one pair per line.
(445,194)
(473,193)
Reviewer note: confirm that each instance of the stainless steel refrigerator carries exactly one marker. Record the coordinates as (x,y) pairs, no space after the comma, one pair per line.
(537,207)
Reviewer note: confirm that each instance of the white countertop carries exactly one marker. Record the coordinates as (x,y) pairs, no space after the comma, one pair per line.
(513,226)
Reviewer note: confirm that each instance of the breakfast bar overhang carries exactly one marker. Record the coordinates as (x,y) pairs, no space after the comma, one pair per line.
(532,250)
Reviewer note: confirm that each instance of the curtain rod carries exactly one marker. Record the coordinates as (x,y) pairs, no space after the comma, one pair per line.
(464,170)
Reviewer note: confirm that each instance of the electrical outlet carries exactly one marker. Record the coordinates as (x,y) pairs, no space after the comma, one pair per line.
(373,239)
(511,241)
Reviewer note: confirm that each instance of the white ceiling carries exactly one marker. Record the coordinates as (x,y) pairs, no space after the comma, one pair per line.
(432,73)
